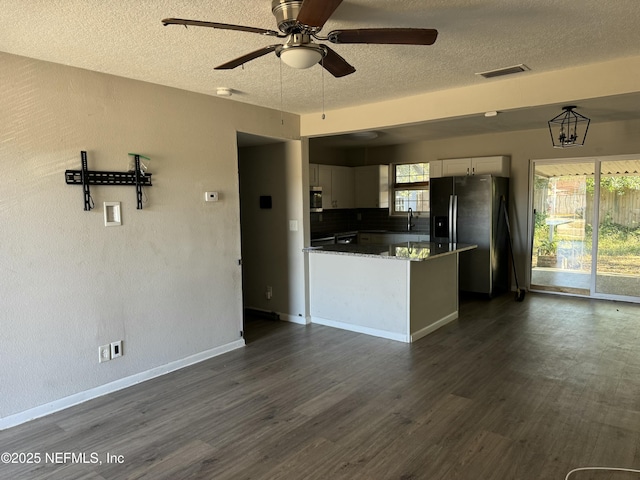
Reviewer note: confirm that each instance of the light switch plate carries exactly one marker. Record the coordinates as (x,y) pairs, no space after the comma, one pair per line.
(293,225)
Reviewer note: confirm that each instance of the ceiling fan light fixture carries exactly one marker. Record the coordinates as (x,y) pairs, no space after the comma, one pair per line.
(301,56)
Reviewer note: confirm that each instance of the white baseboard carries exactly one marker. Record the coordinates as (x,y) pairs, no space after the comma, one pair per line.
(285,317)
(434,326)
(294,319)
(360,329)
(81,397)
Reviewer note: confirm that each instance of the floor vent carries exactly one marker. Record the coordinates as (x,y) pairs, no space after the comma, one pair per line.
(505,71)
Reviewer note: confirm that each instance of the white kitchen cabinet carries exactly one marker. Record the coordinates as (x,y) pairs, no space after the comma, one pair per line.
(324,181)
(372,186)
(342,187)
(314,175)
(435,169)
(352,187)
(337,186)
(498,166)
(455,167)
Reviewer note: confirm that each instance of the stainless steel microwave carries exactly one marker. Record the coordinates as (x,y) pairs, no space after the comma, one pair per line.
(315,199)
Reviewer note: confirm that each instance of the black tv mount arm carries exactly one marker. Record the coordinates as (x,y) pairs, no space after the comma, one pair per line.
(86,177)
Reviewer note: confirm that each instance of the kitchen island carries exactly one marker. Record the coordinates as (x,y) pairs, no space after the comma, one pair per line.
(401,291)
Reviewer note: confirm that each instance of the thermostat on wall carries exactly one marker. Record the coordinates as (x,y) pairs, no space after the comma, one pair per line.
(211,196)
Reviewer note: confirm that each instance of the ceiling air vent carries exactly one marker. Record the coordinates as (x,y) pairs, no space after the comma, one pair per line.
(505,71)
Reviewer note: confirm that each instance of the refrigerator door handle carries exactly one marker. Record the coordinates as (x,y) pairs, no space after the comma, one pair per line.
(454,237)
(450,215)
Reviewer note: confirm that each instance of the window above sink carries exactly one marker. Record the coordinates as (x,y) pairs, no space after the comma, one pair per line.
(409,188)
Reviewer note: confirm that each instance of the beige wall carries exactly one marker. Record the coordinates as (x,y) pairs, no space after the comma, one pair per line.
(167,281)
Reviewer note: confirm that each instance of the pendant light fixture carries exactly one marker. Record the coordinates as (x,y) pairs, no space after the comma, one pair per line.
(569,129)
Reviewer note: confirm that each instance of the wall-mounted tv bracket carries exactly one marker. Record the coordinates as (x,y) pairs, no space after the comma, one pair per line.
(86,177)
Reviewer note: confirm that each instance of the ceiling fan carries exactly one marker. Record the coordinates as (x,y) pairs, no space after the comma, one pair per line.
(300,22)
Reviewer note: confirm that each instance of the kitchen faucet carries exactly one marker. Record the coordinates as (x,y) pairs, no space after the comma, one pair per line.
(409,217)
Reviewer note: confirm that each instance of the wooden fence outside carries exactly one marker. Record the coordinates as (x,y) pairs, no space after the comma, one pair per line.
(622,209)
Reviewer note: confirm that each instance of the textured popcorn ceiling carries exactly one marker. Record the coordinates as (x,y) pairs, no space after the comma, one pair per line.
(128,39)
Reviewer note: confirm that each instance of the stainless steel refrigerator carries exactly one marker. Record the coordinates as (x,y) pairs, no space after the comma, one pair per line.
(467,210)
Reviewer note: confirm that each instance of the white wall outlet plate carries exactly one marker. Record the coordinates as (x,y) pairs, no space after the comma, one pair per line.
(104,353)
(116,349)
(211,196)
(112,216)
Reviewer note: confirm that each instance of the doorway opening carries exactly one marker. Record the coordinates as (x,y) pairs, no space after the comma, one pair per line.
(272,229)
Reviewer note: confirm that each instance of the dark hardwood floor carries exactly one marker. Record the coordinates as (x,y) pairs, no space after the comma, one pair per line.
(511,390)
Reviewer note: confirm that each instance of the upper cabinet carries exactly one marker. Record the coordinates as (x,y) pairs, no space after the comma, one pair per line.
(456,167)
(498,166)
(435,169)
(314,175)
(351,187)
(337,186)
(372,186)
(342,187)
(324,181)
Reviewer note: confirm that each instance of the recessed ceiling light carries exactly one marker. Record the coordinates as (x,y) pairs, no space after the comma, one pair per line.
(366,135)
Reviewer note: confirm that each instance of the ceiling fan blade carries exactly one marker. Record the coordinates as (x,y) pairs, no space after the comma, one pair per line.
(222,26)
(315,13)
(246,58)
(336,65)
(401,36)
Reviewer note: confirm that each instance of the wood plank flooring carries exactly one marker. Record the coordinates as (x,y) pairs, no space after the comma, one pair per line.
(511,390)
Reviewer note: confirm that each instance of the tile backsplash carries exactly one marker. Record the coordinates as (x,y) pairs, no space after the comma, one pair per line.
(347,220)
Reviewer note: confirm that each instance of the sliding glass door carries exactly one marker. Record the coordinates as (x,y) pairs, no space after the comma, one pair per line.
(618,258)
(568,254)
(561,253)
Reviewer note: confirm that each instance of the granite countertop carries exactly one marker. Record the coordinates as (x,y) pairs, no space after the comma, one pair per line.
(412,251)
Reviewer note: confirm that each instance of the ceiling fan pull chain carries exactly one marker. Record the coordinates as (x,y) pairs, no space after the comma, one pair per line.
(281,110)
